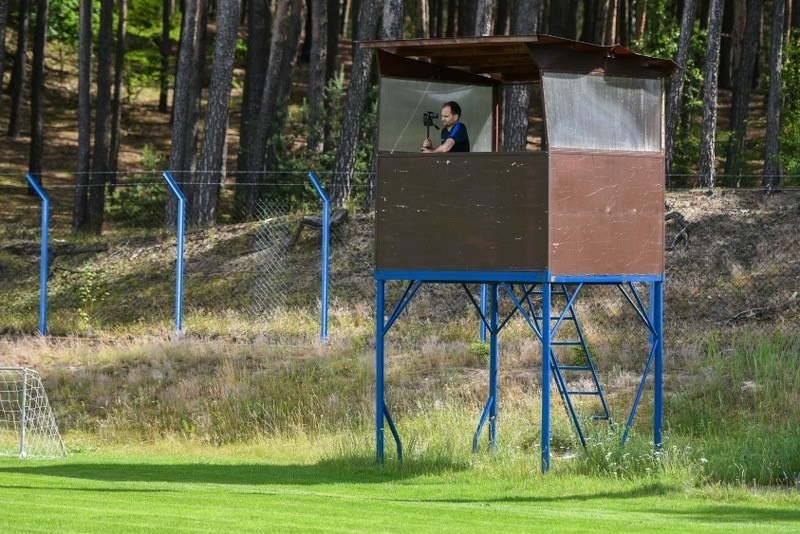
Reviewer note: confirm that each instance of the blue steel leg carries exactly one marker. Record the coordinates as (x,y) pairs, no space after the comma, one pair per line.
(658,383)
(379,338)
(483,313)
(493,366)
(546,375)
(652,302)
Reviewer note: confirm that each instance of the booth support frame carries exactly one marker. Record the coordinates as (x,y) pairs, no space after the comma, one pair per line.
(652,318)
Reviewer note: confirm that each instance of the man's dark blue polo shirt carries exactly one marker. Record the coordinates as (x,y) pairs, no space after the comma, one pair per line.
(457,133)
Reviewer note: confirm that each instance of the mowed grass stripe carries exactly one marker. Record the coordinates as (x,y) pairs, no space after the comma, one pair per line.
(443,503)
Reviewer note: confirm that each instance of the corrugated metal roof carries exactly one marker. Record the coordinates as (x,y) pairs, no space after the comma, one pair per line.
(513,58)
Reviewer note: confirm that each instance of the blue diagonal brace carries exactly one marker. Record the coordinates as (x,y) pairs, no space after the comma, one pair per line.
(639,392)
(408,295)
(396,436)
(482,422)
(638,306)
(522,311)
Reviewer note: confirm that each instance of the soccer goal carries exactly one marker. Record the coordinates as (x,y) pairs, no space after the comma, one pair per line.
(27,426)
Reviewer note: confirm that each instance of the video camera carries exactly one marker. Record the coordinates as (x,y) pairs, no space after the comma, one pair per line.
(427,121)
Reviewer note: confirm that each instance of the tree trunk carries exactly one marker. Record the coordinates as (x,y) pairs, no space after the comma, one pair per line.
(738,29)
(210,169)
(285,73)
(355,9)
(483,17)
(305,51)
(37,89)
(563,18)
(708,136)
(282,56)
(517,97)
(743,86)
(79,214)
(17,87)
(772,176)
(187,89)
(354,106)
(589,20)
(640,10)
(422,19)
(502,27)
(99,175)
(116,103)
(451,18)
(392,26)
(437,18)
(601,22)
(623,23)
(3,21)
(726,65)
(166,51)
(316,74)
(676,85)
(466,17)
(258,37)
(333,38)
(611,23)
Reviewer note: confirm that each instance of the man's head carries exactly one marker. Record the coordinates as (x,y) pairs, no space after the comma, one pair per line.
(451,112)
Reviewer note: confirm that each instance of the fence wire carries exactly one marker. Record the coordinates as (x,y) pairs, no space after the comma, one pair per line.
(271,242)
(733,263)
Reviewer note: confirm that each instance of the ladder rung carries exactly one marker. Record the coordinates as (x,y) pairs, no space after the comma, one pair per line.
(584,393)
(574,368)
(574,343)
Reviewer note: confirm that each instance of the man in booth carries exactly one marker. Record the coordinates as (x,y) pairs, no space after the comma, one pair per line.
(454,133)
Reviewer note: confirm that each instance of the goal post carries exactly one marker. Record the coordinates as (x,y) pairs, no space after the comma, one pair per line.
(27,426)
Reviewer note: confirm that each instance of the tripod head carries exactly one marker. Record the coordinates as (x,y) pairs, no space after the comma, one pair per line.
(427,121)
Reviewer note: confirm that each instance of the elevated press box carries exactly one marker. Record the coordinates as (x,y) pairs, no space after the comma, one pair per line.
(591,202)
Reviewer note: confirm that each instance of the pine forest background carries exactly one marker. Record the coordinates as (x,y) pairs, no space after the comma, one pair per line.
(250,93)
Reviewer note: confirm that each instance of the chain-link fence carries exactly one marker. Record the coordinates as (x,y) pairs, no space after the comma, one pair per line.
(734,262)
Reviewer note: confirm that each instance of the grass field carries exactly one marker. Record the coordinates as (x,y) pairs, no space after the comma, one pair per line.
(306,484)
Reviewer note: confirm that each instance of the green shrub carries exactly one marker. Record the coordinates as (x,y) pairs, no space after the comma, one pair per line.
(141,204)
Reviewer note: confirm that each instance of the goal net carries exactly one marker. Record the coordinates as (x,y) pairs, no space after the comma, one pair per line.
(27,426)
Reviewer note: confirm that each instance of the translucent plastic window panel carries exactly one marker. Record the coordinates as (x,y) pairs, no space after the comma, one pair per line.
(403,101)
(603,112)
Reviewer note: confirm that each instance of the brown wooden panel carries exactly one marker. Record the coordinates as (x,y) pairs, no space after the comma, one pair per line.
(462,212)
(606,213)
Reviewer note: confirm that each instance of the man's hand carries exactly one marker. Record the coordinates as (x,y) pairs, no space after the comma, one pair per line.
(426,145)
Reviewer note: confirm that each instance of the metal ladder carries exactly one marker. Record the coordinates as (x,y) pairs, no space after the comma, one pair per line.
(559,369)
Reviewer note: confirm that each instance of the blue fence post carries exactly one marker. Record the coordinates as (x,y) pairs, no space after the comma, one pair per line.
(181,240)
(43,262)
(326,229)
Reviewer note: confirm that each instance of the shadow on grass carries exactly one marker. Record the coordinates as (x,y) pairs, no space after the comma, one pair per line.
(736,514)
(354,470)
